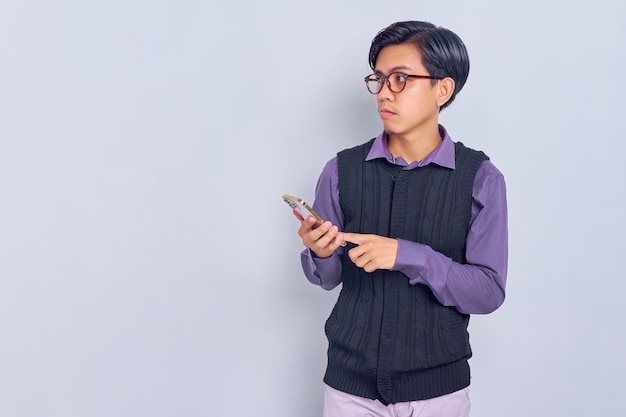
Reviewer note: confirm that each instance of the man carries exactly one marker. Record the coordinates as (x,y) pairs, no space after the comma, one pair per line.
(425,223)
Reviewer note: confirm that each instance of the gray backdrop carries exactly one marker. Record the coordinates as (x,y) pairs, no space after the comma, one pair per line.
(148,266)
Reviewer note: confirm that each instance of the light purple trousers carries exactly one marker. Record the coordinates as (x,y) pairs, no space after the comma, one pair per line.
(340,404)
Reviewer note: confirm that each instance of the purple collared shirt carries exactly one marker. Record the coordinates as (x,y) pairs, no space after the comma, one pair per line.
(475,287)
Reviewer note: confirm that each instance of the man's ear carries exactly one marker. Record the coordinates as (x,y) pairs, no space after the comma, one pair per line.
(445,90)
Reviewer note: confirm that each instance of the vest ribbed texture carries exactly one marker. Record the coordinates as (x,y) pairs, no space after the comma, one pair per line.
(389,340)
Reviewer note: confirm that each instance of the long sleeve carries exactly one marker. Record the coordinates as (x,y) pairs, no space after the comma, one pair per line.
(477,286)
(326,272)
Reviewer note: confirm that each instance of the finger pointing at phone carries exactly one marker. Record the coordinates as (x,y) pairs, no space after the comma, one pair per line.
(372,252)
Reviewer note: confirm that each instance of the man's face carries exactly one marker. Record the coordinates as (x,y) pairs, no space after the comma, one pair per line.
(415,109)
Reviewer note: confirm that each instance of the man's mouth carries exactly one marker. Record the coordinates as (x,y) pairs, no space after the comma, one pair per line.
(385,112)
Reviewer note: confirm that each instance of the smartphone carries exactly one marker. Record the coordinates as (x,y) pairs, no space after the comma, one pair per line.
(304,210)
(300,206)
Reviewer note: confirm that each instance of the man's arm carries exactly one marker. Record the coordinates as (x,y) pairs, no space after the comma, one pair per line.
(321,261)
(477,286)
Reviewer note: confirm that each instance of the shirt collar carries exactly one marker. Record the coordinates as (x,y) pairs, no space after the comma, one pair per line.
(443,154)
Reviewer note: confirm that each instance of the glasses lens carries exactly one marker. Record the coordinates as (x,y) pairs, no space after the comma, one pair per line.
(397,81)
(373,84)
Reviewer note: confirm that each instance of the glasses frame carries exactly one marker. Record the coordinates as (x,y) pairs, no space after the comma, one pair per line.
(385,78)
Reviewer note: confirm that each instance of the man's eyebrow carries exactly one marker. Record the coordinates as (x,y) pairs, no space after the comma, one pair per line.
(394,69)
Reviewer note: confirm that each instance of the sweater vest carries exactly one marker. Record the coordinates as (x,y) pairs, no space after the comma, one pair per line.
(390,340)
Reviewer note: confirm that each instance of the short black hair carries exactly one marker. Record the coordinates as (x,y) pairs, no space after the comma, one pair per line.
(443,52)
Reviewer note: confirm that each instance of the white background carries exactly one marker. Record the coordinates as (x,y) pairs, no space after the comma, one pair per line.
(149,267)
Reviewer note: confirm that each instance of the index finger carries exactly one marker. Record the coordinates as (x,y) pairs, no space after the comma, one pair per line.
(352,237)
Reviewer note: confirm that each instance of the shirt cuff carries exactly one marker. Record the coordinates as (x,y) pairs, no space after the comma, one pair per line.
(315,268)
(420,262)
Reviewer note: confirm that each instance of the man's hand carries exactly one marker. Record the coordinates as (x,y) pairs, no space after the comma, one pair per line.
(323,239)
(373,252)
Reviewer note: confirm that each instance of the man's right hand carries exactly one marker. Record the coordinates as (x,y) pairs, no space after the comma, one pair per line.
(322,239)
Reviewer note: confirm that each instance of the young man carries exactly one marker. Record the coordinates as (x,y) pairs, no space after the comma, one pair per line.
(425,220)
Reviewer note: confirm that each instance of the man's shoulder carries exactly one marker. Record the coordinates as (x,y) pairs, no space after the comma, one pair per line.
(488,169)
(461,150)
(358,148)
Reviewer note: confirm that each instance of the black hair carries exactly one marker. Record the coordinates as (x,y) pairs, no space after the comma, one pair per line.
(443,52)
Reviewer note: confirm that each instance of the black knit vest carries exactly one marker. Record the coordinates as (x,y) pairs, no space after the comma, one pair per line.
(389,340)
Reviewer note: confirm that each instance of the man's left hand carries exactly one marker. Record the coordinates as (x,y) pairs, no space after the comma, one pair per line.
(372,252)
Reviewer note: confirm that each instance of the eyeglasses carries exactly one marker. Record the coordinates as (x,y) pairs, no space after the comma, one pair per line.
(396,81)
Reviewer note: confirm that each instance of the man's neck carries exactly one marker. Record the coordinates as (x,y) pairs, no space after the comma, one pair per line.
(414,147)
